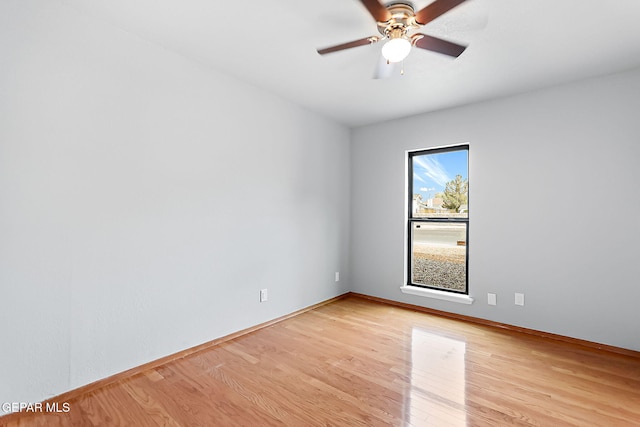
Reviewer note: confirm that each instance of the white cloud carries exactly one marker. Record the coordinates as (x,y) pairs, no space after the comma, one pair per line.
(433,169)
(426,190)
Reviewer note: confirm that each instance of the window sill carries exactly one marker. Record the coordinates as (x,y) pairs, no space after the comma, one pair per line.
(432,293)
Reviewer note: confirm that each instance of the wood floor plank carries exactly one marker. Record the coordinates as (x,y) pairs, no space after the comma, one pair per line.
(357,362)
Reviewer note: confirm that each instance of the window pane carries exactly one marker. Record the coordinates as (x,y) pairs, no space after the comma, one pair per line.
(440,185)
(439,255)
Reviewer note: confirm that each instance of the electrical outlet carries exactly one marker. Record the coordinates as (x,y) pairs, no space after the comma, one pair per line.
(519,299)
(263,295)
(492,299)
(337,276)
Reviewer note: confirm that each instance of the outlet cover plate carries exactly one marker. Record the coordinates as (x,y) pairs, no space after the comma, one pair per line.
(492,299)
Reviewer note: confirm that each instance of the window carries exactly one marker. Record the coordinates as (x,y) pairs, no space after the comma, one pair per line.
(438,219)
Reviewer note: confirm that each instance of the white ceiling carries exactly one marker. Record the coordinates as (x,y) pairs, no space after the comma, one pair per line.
(513,46)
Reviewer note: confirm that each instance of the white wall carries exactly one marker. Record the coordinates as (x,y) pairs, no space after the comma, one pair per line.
(554,203)
(145,201)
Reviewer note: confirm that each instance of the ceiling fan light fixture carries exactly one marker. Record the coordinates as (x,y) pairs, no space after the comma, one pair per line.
(396,49)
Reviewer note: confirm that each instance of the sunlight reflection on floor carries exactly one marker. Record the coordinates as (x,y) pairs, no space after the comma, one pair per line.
(437,380)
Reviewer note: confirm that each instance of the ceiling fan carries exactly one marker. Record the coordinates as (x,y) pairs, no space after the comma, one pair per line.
(397,22)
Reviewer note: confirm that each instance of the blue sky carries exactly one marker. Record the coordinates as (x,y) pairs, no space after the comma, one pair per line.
(431,172)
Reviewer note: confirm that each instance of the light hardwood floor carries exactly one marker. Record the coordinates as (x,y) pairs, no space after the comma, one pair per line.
(357,362)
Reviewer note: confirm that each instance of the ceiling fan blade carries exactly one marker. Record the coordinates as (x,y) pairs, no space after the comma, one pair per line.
(377,10)
(435,9)
(355,43)
(435,44)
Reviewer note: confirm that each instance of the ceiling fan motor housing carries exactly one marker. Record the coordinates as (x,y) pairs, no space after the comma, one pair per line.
(401,21)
